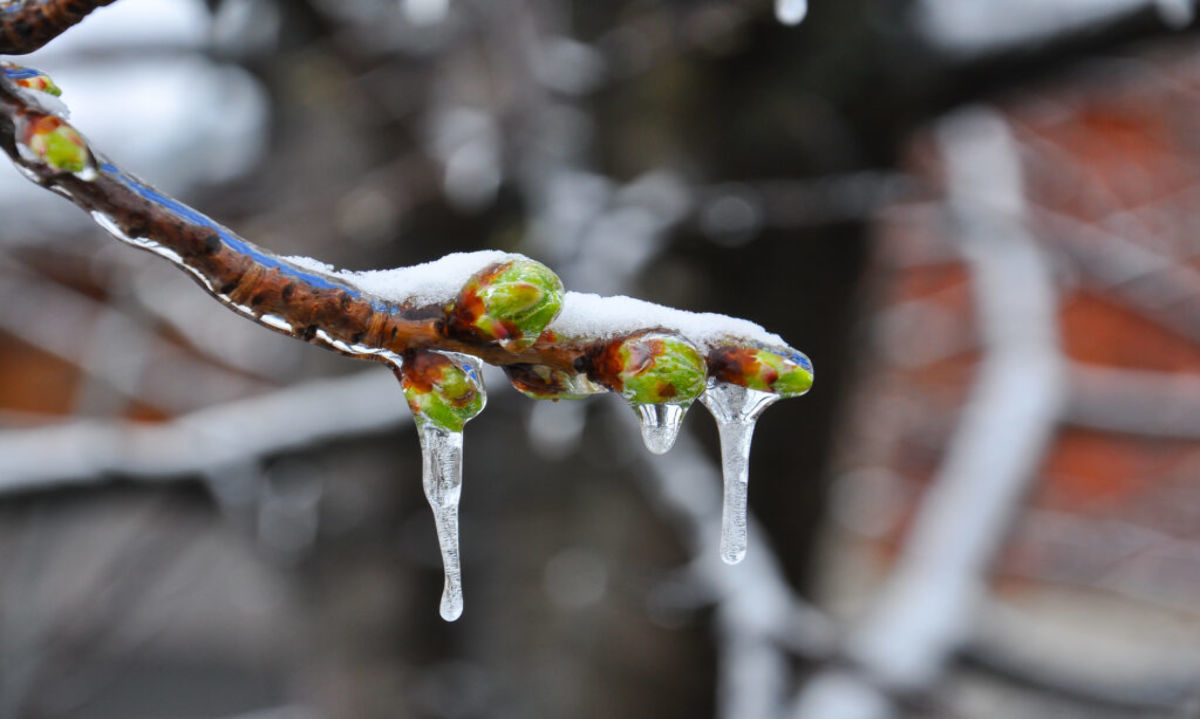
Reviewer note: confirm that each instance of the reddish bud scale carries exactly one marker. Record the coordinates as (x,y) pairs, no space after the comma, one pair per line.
(468,308)
(528,379)
(605,365)
(34,83)
(735,364)
(42,125)
(422,370)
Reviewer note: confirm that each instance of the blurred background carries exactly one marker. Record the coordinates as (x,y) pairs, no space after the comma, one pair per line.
(976,216)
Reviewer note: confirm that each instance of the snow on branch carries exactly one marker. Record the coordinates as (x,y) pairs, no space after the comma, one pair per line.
(436,323)
(503,308)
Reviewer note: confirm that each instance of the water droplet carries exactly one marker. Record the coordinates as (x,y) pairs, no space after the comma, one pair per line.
(735,409)
(791,12)
(660,424)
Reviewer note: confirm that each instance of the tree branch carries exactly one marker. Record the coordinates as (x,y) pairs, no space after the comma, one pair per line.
(91,451)
(26,25)
(502,313)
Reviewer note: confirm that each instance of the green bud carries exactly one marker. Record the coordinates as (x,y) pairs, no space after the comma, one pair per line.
(510,303)
(30,78)
(794,370)
(657,368)
(783,371)
(50,140)
(441,390)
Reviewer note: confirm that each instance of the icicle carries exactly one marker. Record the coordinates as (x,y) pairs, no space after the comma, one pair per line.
(791,12)
(736,409)
(441,476)
(444,392)
(660,424)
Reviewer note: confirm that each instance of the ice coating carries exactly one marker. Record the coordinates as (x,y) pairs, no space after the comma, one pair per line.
(35,87)
(429,283)
(441,478)
(660,425)
(735,409)
(791,12)
(587,315)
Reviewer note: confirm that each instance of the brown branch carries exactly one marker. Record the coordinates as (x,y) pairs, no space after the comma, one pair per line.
(27,25)
(328,308)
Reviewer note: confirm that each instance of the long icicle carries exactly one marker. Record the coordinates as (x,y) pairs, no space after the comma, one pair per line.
(444,391)
(441,477)
(735,409)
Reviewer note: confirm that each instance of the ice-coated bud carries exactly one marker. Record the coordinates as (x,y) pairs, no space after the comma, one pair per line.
(541,382)
(30,78)
(783,371)
(50,141)
(445,391)
(656,368)
(510,303)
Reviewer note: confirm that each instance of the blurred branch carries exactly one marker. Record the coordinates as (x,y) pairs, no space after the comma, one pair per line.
(758,616)
(927,606)
(1164,288)
(1153,404)
(26,25)
(1154,679)
(1162,694)
(82,324)
(973,27)
(89,452)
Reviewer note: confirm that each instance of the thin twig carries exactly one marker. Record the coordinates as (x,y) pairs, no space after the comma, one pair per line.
(26,25)
(294,297)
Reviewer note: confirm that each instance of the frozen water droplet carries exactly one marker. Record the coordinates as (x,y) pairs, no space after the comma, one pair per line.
(441,477)
(736,409)
(791,12)
(660,425)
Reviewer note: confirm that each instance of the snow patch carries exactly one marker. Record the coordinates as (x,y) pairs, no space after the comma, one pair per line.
(583,315)
(430,283)
(588,315)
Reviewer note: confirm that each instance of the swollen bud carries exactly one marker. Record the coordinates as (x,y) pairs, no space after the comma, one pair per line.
(29,78)
(655,368)
(782,371)
(510,303)
(443,390)
(541,382)
(50,141)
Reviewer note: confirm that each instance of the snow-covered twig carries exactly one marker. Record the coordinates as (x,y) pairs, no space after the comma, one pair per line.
(1023,652)
(1154,404)
(504,309)
(971,27)
(87,451)
(926,608)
